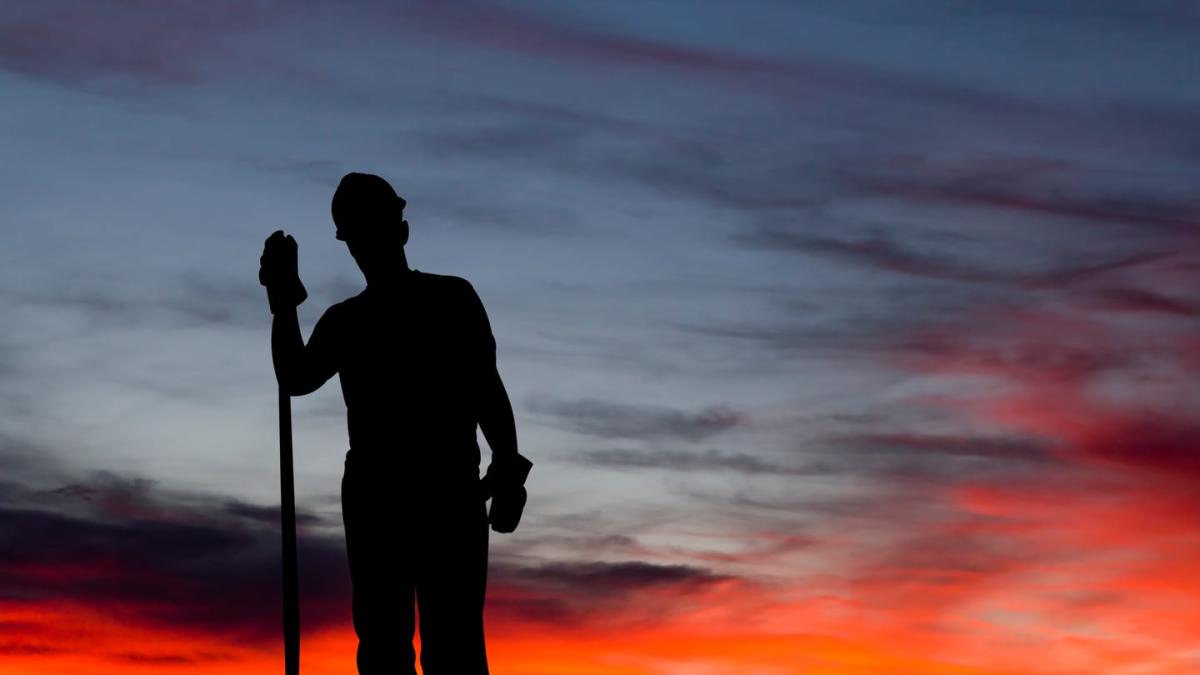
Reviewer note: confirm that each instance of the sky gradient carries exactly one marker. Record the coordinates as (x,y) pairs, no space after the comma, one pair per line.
(851,337)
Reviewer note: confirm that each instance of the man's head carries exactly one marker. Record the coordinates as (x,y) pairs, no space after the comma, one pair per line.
(369,217)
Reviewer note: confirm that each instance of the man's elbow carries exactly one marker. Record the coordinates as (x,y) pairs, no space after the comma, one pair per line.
(300,390)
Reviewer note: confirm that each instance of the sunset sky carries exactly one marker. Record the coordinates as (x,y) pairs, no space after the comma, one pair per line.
(854,337)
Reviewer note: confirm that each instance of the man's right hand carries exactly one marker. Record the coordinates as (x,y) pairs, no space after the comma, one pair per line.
(278,270)
(505,484)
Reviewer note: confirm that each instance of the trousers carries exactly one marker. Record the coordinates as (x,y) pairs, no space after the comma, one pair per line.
(408,541)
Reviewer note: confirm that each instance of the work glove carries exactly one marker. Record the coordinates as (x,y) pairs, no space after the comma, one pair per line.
(278,270)
(505,483)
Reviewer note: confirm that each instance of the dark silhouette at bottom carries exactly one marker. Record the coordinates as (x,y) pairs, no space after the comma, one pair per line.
(440,561)
(417,363)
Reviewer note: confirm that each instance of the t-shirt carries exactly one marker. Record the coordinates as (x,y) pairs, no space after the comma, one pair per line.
(410,359)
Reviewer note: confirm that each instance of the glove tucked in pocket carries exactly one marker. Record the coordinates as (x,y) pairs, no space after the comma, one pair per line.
(507,507)
(505,483)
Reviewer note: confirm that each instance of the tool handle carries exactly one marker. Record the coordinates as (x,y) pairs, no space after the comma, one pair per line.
(291,577)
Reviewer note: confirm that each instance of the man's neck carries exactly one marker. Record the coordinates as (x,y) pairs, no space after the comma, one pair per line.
(394,280)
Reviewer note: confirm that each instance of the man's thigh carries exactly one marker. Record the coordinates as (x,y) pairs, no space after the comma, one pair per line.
(382,571)
(450,585)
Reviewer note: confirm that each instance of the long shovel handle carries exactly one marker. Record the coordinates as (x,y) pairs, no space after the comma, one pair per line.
(291,584)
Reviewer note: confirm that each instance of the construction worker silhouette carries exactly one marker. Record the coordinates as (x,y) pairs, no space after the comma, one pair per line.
(417,363)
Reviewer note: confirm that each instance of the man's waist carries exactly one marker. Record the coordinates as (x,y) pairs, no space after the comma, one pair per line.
(441,457)
(399,429)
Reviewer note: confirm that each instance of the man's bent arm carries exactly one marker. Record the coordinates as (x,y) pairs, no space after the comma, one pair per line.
(300,369)
(504,482)
(494,410)
(496,417)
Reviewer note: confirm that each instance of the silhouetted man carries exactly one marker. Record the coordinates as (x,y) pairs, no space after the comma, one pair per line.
(417,363)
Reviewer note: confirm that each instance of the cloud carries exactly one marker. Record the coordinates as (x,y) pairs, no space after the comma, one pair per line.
(1088,388)
(1150,439)
(27,649)
(145,658)
(188,299)
(856,322)
(204,568)
(76,42)
(152,558)
(883,252)
(604,419)
(1140,301)
(601,578)
(537,34)
(578,594)
(677,460)
(1003,448)
(323,172)
(1106,206)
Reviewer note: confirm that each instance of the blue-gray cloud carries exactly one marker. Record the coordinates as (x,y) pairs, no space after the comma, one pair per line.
(605,419)
(680,460)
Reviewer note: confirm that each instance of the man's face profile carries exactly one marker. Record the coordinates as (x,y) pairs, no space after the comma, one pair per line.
(369,217)
(373,245)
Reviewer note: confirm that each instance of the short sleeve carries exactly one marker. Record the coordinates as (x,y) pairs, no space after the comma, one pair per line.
(479,330)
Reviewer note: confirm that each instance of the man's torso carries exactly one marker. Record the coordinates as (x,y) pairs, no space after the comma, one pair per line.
(408,364)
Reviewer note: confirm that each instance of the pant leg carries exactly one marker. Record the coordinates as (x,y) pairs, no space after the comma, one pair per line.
(381,578)
(451,583)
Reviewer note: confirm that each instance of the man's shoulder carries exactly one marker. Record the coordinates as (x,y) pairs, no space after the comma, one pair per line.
(337,310)
(445,283)
(444,280)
